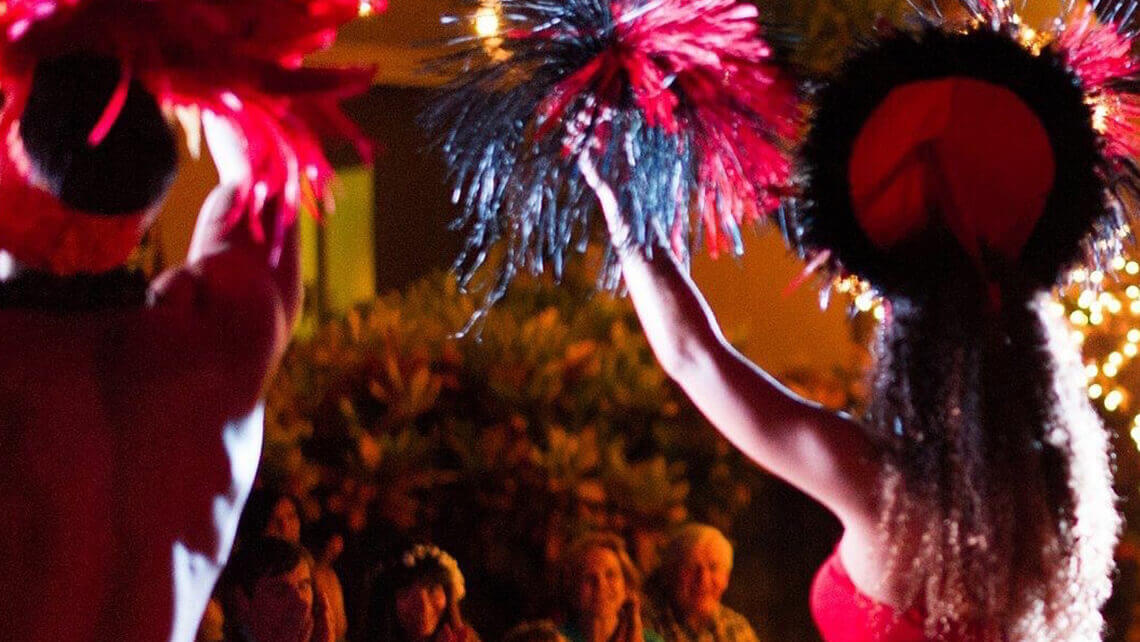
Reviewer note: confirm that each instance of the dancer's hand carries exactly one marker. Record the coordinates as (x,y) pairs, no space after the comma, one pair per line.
(619,229)
(227,148)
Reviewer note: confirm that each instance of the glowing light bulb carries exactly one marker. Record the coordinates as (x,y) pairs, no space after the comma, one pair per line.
(1091,370)
(487,22)
(1113,400)
(1095,391)
(1110,369)
(1096,277)
(1079,318)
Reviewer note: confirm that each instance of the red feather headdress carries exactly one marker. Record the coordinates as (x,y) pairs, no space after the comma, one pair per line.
(240,61)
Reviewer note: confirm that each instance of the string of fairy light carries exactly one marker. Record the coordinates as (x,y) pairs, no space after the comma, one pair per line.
(1100,309)
(1105,303)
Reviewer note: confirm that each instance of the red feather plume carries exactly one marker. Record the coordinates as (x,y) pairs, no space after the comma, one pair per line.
(239,61)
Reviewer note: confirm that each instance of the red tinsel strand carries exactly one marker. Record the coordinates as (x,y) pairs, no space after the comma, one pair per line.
(712,51)
(1099,54)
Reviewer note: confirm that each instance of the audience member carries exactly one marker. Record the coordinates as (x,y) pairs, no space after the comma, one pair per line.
(685,593)
(415,598)
(601,585)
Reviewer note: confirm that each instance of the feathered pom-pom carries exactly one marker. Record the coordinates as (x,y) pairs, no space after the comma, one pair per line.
(237,60)
(678,102)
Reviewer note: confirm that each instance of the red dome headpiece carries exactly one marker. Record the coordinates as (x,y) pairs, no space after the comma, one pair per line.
(982,144)
(240,61)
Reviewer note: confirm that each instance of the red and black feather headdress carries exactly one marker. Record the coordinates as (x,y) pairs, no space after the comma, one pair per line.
(678,101)
(975,142)
(240,61)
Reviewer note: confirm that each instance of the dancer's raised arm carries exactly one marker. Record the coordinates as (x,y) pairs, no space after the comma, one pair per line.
(824,454)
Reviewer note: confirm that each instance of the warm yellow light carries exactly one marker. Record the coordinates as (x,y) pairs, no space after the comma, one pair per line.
(365,9)
(1114,306)
(843,285)
(1115,358)
(1130,350)
(1133,336)
(1096,318)
(1079,275)
(1079,318)
(1132,267)
(1087,298)
(1134,307)
(1095,391)
(1132,292)
(1110,369)
(1100,117)
(1091,370)
(1113,400)
(865,301)
(880,313)
(1136,433)
(1077,337)
(486,22)
(1119,263)
(1096,277)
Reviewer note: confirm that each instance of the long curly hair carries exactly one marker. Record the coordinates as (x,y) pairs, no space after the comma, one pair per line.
(998,511)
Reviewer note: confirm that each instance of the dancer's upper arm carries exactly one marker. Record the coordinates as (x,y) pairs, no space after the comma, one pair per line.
(824,454)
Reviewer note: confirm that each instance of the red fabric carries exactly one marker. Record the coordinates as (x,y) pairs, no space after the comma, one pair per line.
(958,152)
(844,614)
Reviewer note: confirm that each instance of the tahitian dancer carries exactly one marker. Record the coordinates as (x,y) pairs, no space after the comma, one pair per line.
(959,169)
(131,424)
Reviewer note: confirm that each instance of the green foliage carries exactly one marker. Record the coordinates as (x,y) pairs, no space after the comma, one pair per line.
(502,446)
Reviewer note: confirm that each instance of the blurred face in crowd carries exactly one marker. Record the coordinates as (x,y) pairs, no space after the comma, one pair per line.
(284,523)
(702,578)
(420,608)
(281,606)
(601,584)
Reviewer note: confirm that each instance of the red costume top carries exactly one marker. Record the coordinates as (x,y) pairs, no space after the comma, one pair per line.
(843,613)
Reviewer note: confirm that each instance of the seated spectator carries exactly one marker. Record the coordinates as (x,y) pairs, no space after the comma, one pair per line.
(415,598)
(270,513)
(325,540)
(601,585)
(685,593)
(268,595)
(540,631)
